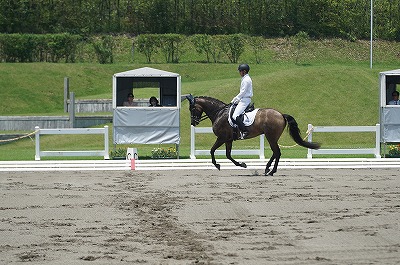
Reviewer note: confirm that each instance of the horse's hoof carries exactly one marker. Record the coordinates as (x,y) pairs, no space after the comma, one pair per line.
(218,166)
(243,165)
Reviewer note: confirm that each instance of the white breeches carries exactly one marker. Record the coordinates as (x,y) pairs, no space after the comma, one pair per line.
(242,105)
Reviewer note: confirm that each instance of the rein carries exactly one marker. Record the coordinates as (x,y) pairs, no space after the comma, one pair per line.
(202,118)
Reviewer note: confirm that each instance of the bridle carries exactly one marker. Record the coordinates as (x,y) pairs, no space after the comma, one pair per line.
(196,118)
(203,117)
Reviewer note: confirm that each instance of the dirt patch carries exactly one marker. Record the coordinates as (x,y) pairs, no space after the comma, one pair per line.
(301,216)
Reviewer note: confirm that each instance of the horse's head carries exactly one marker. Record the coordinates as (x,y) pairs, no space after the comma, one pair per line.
(195,110)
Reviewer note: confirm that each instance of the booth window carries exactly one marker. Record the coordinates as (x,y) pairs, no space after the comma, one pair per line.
(142,91)
(391,86)
(145,92)
(143,88)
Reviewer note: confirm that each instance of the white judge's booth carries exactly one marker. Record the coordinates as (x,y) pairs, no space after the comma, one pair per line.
(389,82)
(144,124)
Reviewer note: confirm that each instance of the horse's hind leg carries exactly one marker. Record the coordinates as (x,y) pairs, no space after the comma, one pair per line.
(228,146)
(269,164)
(276,154)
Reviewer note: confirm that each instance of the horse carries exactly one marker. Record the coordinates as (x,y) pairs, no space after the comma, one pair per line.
(268,121)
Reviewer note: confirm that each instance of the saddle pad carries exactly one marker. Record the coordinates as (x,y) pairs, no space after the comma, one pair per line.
(248,120)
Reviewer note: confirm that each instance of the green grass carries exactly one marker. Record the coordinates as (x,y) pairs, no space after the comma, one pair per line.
(327,89)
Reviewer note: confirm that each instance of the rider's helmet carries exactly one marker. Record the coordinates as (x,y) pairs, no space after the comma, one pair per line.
(245,67)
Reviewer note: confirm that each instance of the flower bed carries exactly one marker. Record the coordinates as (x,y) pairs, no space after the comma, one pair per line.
(158,153)
(394,150)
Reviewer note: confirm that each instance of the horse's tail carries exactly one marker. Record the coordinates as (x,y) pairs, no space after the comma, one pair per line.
(294,132)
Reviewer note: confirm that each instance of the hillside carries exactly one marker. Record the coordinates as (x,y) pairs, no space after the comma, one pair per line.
(317,94)
(325,89)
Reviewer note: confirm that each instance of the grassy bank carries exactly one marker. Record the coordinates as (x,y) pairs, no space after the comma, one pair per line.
(319,91)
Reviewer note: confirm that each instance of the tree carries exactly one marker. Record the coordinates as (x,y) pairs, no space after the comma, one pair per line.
(203,44)
(147,44)
(170,45)
(233,46)
(257,44)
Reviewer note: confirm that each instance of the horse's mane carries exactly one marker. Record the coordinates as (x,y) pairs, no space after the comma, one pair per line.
(213,100)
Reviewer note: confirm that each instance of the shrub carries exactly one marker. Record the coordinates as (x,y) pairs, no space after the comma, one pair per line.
(216,47)
(147,44)
(203,44)
(233,46)
(300,39)
(117,153)
(257,44)
(104,49)
(171,46)
(17,47)
(38,48)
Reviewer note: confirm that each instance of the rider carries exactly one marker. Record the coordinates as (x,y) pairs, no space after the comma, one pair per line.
(243,99)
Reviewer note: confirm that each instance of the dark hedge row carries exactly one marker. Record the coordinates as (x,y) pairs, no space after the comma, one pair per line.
(64,47)
(38,48)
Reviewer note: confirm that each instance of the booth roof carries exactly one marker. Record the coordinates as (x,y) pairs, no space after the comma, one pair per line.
(146,72)
(396,71)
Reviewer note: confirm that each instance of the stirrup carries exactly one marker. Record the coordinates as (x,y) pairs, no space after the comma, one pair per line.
(243,135)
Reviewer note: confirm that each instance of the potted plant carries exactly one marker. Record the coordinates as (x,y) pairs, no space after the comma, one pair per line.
(118,154)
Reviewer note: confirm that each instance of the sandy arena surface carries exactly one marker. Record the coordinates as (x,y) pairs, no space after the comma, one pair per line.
(299,216)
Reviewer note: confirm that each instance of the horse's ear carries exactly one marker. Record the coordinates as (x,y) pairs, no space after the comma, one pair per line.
(190,98)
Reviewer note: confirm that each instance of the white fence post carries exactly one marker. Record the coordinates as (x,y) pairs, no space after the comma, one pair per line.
(261,154)
(192,142)
(309,129)
(106,143)
(378,141)
(37,143)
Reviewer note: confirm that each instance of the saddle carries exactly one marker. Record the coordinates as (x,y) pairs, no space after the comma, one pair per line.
(236,131)
(249,108)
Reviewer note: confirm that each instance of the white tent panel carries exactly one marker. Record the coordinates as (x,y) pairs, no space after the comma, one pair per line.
(391,124)
(389,81)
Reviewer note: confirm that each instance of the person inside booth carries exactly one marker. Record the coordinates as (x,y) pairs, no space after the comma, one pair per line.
(130,102)
(395,100)
(153,101)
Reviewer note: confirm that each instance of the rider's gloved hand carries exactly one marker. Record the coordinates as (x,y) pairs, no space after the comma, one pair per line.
(235,100)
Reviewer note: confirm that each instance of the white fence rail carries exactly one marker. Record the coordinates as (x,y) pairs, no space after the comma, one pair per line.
(103,153)
(194,152)
(314,129)
(375,151)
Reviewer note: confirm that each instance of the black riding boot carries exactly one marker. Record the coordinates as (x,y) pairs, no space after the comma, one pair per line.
(242,128)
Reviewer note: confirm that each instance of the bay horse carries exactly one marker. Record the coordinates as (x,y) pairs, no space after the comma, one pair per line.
(269,122)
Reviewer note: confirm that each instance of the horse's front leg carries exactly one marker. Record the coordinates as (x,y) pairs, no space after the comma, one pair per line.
(217,144)
(228,146)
